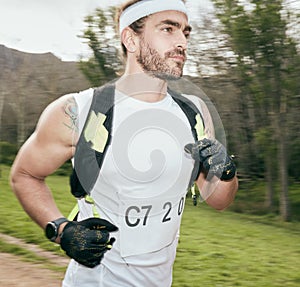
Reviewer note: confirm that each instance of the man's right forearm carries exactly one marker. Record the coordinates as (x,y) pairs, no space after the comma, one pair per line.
(35,197)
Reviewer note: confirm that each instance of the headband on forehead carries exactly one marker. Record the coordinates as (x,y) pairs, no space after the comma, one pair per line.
(145,8)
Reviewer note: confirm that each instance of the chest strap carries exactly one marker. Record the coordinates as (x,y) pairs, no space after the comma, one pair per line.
(97,133)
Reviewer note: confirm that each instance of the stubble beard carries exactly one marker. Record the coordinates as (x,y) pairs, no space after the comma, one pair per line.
(155,65)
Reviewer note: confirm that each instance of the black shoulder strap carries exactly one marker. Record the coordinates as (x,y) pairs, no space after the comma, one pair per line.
(93,141)
(196,122)
(191,111)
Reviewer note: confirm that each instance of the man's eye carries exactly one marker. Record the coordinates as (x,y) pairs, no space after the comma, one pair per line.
(187,35)
(167,29)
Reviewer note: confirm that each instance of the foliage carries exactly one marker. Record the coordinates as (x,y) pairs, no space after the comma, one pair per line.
(267,65)
(8,152)
(28,83)
(101,37)
(65,169)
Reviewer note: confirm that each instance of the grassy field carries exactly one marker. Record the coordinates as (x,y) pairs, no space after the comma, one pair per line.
(215,250)
(14,221)
(230,249)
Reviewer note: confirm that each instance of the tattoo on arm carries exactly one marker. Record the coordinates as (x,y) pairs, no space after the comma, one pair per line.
(70,110)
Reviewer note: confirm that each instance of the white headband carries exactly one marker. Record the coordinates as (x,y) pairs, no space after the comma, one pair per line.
(147,7)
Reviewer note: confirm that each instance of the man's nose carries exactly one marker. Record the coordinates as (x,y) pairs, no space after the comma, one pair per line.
(181,40)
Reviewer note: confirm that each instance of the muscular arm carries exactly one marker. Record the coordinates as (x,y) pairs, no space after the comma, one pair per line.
(48,148)
(217,193)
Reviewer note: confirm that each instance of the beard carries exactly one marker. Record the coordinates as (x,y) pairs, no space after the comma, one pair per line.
(155,65)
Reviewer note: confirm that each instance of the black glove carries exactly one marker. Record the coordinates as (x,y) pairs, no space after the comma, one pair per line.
(87,241)
(214,158)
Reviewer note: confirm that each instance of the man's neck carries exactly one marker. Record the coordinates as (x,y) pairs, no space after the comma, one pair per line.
(142,87)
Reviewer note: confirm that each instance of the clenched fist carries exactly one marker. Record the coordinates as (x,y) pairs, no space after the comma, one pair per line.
(86,241)
(214,158)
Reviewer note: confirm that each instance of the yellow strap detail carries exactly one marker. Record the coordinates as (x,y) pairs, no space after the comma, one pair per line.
(75,210)
(95,132)
(88,199)
(73,213)
(95,212)
(199,127)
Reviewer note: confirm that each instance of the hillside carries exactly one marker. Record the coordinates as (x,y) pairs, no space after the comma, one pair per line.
(28,83)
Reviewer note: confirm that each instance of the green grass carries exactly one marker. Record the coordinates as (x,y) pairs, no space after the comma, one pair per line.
(15,222)
(230,249)
(216,249)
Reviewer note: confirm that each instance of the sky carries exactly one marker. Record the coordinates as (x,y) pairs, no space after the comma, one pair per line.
(41,26)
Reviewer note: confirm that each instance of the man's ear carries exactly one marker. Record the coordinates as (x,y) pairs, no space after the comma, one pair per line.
(129,39)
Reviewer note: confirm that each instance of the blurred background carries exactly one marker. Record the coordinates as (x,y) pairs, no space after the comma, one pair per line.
(244,55)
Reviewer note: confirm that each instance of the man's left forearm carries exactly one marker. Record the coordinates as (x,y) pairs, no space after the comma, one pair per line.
(217,193)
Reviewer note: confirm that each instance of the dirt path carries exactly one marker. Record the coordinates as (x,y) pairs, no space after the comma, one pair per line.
(15,272)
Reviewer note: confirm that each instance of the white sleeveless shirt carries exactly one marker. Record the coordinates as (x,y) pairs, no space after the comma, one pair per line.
(141,189)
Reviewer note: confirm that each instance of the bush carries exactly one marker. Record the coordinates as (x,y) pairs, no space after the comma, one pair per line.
(65,169)
(8,153)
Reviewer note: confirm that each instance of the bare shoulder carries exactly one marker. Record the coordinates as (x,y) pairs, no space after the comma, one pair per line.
(58,121)
(197,101)
(206,115)
(53,141)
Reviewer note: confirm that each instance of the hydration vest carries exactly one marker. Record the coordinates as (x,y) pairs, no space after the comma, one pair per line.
(92,146)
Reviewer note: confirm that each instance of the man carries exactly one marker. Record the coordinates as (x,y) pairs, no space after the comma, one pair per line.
(140,190)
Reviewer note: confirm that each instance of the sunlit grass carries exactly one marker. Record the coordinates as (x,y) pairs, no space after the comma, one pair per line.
(15,222)
(230,249)
(216,249)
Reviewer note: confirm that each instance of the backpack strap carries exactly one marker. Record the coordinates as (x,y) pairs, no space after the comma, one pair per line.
(197,124)
(192,113)
(93,141)
(96,137)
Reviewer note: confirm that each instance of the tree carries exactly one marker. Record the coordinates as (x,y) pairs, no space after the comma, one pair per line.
(102,39)
(266,64)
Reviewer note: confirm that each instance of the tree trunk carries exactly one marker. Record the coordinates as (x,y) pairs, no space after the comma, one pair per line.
(269,199)
(21,121)
(285,211)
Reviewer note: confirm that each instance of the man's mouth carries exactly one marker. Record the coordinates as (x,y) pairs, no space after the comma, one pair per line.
(178,58)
